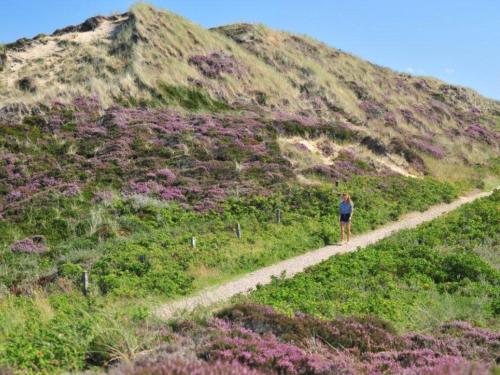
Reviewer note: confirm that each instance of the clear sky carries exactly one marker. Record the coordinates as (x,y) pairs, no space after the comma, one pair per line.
(455,40)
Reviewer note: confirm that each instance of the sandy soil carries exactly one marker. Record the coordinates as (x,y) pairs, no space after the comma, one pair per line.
(50,49)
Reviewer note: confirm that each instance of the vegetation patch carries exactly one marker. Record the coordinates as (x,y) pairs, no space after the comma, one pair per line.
(441,271)
(256,339)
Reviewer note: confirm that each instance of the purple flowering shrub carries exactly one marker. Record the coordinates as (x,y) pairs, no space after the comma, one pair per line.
(400,147)
(345,166)
(216,63)
(480,133)
(215,143)
(369,334)
(88,105)
(365,345)
(416,362)
(372,109)
(131,147)
(176,365)
(464,339)
(430,114)
(180,366)
(32,245)
(233,343)
(410,117)
(426,145)
(249,337)
(71,190)
(195,159)
(167,174)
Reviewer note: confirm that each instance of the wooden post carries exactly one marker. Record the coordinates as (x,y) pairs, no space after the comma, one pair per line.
(193,242)
(238,230)
(278,216)
(85,280)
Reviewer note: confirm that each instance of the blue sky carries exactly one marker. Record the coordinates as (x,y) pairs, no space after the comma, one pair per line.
(455,40)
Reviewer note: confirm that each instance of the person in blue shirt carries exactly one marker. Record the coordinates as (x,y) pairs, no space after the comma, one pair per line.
(345,210)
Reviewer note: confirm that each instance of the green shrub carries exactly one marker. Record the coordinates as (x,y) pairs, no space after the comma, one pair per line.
(429,271)
(125,229)
(130,269)
(50,334)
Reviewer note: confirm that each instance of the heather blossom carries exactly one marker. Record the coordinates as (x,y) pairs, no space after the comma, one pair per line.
(71,190)
(255,339)
(170,193)
(306,121)
(411,362)
(31,245)
(180,366)
(167,174)
(426,146)
(410,117)
(372,109)
(87,103)
(13,196)
(264,352)
(480,133)
(215,63)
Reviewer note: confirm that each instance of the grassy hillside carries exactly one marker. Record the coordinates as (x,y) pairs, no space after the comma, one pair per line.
(125,136)
(153,58)
(138,245)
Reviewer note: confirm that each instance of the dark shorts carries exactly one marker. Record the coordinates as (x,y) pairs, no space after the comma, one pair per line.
(345,218)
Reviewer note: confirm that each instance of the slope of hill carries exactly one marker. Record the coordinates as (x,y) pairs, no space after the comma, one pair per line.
(152,58)
(124,136)
(148,104)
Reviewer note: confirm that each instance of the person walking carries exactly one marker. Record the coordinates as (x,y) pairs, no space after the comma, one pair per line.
(346,208)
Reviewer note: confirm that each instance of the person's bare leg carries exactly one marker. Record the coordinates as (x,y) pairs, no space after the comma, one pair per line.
(348,231)
(342,232)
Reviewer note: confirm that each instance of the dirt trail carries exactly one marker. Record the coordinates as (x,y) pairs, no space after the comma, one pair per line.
(297,264)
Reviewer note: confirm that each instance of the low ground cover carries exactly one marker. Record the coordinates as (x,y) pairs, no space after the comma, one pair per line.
(417,279)
(137,245)
(136,248)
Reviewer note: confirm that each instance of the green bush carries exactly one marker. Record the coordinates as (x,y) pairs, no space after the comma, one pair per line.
(123,231)
(130,269)
(413,275)
(49,334)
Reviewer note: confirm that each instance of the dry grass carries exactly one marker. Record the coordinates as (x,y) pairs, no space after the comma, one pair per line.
(452,171)
(302,153)
(134,56)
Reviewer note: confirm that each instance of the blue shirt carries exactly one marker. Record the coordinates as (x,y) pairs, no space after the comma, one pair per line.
(345,208)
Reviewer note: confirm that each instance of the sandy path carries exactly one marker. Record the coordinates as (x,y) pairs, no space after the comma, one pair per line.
(297,264)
